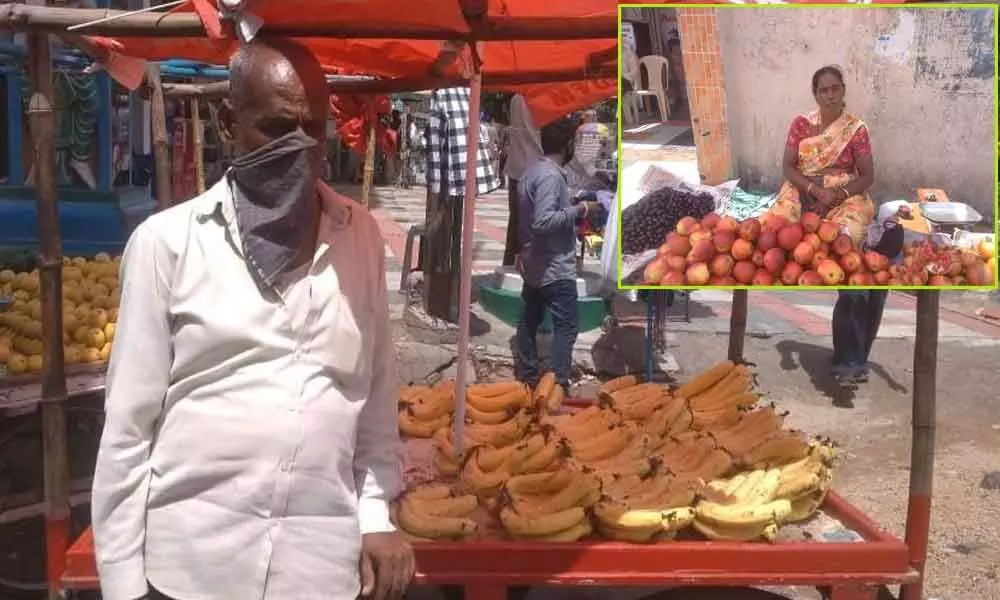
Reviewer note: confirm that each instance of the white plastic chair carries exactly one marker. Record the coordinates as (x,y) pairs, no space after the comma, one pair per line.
(657,70)
(630,100)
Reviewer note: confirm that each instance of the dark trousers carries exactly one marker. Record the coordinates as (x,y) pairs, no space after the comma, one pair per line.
(856,319)
(559,298)
(511,247)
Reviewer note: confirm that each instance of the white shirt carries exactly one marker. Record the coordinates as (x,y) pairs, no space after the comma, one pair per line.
(250,438)
(524,140)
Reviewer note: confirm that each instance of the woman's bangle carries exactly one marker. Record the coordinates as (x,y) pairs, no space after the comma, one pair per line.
(809,188)
(843,190)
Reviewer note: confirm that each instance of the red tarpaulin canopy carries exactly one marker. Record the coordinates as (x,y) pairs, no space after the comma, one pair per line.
(347,50)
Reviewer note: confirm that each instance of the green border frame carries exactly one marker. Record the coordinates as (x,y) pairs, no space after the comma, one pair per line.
(914,5)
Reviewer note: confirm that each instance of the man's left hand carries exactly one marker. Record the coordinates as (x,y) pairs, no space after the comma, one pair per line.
(386,566)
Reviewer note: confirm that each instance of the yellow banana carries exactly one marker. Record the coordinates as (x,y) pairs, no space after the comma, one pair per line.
(533,484)
(480,481)
(501,434)
(675,519)
(766,488)
(737,534)
(432,405)
(743,515)
(581,530)
(580,490)
(544,458)
(494,417)
(798,485)
(741,492)
(431,490)
(602,446)
(805,507)
(445,467)
(520,525)
(491,458)
(635,535)
(525,448)
(428,526)
(416,428)
(442,441)
(619,515)
(457,506)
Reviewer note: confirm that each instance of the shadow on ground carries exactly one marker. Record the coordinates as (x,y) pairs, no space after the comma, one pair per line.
(815,361)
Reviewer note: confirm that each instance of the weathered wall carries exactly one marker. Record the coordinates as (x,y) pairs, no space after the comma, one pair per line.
(922,79)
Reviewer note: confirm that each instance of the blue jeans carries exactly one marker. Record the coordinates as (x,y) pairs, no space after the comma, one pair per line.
(559,298)
(856,320)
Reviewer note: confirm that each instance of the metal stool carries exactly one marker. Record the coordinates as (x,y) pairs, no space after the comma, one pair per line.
(415,231)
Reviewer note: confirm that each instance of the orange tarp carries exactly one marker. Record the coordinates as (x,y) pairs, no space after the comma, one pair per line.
(411,58)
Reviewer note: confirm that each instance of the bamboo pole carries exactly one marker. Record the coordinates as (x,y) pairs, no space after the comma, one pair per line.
(41,119)
(738,325)
(369,172)
(158,126)
(413,84)
(188,24)
(918,514)
(468,241)
(199,145)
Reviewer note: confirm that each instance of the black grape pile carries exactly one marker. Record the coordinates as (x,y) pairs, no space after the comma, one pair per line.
(646,223)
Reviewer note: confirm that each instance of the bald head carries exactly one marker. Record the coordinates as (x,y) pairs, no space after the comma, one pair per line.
(275,86)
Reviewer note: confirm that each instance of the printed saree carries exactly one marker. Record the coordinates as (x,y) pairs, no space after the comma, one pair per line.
(823,156)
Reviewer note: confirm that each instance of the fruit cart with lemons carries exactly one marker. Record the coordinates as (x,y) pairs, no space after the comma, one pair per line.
(650,486)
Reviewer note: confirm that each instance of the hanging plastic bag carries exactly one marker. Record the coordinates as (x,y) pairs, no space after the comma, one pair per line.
(609,250)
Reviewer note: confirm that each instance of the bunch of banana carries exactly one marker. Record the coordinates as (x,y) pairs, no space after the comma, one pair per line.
(447,459)
(750,512)
(435,511)
(673,418)
(785,446)
(638,402)
(613,385)
(752,429)
(549,395)
(485,469)
(500,434)
(425,409)
(644,509)
(633,459)
(494,403)
(538,453)
(717,396)
(805,482)
(694,455)
(549,506)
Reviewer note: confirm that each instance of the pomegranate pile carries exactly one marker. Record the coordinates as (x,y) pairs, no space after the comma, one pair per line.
(771,251)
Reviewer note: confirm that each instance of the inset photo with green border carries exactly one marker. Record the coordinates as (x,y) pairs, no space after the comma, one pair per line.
(810,146)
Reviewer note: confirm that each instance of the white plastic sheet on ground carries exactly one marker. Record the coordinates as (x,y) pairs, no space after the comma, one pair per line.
(643,177)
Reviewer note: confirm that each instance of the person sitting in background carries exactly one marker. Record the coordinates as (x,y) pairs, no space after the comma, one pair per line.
(828,163)
(857,315)
(547,260)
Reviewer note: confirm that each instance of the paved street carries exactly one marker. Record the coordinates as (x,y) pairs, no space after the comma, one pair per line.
(771,313)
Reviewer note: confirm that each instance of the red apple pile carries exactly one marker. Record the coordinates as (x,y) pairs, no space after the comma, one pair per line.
(771,251)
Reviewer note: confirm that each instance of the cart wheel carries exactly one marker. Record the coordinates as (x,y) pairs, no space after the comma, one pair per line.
(609,323)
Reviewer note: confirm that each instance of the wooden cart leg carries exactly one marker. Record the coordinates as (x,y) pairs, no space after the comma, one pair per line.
(850,591)
(485,591)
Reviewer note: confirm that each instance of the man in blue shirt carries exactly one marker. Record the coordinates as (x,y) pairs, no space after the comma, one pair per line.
(547,234)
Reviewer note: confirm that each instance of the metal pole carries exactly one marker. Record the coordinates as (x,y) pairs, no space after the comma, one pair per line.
(158,123)
(41,118)
(369,172)
(737,325)
(918,513)
(199,145)
(468,243)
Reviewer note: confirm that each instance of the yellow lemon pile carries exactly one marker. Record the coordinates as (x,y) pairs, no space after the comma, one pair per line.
(90,310)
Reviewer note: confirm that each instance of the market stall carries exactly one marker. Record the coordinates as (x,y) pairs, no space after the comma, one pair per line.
(484,567)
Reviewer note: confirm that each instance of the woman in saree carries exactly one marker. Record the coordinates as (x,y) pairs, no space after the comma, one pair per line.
(828,169)
(828,164)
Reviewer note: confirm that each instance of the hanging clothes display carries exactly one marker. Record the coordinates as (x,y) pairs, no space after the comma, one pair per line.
(447,143)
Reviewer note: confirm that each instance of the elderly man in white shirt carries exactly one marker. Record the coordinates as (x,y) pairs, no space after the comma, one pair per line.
(250,448)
